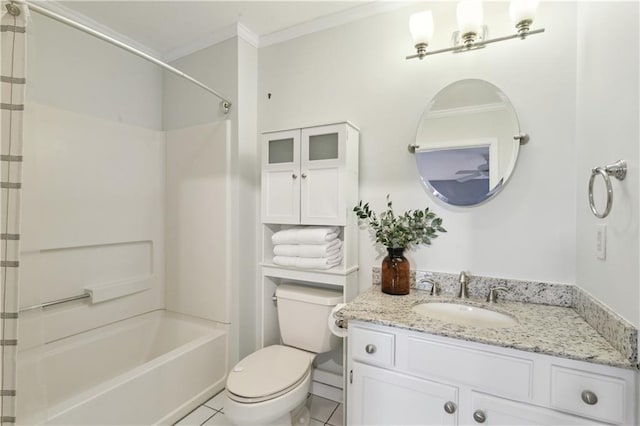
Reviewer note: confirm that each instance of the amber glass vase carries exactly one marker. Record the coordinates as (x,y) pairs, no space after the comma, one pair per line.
(394,274)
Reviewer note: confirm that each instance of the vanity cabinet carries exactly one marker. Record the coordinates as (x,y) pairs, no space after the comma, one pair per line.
(403,377)
(310,175)
(382,397)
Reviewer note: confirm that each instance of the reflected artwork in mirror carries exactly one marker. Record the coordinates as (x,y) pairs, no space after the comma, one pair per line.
(467,143)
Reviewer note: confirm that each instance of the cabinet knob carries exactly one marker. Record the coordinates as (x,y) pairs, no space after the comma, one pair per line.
(589,397)
(370,348)
(294,176)
(450,407)
(479,416)
(304,176)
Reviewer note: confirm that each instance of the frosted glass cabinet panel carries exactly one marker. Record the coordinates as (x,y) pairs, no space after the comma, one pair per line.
(323,171)
(309,175)
(280,177)
(324,146)
(281,151)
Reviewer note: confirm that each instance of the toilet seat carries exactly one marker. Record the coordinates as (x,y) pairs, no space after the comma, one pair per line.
(268,373)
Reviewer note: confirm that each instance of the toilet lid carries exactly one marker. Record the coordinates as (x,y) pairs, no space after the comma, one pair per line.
(268,371)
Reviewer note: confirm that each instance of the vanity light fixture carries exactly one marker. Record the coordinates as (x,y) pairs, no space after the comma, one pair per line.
(472,33)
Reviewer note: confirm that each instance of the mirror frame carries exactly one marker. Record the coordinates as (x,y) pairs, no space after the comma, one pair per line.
(498,181)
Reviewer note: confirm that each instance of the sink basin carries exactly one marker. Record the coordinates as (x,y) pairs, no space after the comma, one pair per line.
(460,314)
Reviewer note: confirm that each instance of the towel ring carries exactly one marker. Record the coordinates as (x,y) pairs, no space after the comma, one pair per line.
(619,171)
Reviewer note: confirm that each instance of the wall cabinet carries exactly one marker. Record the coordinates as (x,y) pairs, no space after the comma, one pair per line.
(310,175)
(402,377)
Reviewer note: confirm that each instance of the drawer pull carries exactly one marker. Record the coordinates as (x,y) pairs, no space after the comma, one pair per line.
(294,176)
(304,175)
(479,416)
(450,407)
(370,349)
(589,397)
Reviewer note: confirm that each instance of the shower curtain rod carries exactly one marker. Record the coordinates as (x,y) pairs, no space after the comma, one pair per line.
(225,104)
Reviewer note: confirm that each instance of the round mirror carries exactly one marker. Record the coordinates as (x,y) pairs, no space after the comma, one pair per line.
(467,142)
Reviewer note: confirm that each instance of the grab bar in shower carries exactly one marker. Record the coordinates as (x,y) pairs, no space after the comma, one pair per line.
(56,302)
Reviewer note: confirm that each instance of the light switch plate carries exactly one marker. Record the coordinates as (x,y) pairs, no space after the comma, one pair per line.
(601,241)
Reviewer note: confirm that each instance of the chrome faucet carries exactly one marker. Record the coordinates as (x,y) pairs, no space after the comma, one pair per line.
(434,285)
(464,280)
(492,297)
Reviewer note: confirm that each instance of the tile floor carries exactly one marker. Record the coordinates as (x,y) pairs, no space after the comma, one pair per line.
(324,412)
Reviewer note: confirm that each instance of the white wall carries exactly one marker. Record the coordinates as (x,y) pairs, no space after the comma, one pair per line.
(77,72)
(607,129)
(185,104)
(248,185)
(358,72)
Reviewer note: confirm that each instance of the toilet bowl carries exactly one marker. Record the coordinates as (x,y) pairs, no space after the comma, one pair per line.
(270,386)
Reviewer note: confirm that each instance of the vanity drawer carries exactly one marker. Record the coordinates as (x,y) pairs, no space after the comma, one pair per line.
(372,346)
(500,375)
(569,388)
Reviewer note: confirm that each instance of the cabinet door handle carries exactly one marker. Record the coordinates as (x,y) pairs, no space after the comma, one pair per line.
(294,176)
(589,397)
(304,176)
(479,416)
(370,348)
(450,407)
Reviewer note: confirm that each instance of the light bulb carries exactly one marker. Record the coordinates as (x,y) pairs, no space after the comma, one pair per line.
(469,16)
(523,10)
(421,27)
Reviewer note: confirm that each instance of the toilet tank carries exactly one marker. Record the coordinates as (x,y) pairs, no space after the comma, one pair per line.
(303,313)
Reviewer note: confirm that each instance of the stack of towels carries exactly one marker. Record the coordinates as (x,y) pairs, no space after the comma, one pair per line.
(307,247)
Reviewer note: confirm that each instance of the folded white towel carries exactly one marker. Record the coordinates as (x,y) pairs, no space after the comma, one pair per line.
(317,263)
(285,260)
(306,235)
(308,263)
(308,250)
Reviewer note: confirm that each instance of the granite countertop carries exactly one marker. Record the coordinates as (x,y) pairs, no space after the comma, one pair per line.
(545,329)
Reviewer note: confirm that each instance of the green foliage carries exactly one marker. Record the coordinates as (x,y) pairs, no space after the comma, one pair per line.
(412,227)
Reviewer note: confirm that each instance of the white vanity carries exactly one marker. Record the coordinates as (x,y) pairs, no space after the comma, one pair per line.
(401,377)
(550,369)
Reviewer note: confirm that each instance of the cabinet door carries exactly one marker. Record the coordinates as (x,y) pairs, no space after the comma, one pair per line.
(383,397)
(322,171)
(498,411)
(281,177)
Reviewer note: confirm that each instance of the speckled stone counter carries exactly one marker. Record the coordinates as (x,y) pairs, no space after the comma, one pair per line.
(552,330)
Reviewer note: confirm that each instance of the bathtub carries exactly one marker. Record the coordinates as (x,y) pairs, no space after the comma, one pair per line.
(150,369)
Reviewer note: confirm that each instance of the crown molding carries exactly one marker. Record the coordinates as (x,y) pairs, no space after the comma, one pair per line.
(331,21)
(211,39)
(234,30)
(238,29)
(249,36)
(320,24)
(56,7)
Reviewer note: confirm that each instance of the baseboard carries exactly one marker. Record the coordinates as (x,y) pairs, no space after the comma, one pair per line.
(326,391)
(327,377)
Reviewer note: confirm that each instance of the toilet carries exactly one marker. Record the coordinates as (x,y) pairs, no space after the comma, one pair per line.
(270,386)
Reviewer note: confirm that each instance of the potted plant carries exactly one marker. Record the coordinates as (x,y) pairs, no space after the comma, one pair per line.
(397,233)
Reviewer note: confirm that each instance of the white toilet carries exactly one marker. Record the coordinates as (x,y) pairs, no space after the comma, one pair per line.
(270,386)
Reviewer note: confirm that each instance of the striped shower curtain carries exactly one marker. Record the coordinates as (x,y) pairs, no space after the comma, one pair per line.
(12,77)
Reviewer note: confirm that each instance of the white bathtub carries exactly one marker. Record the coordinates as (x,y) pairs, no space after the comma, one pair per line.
(150,369)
